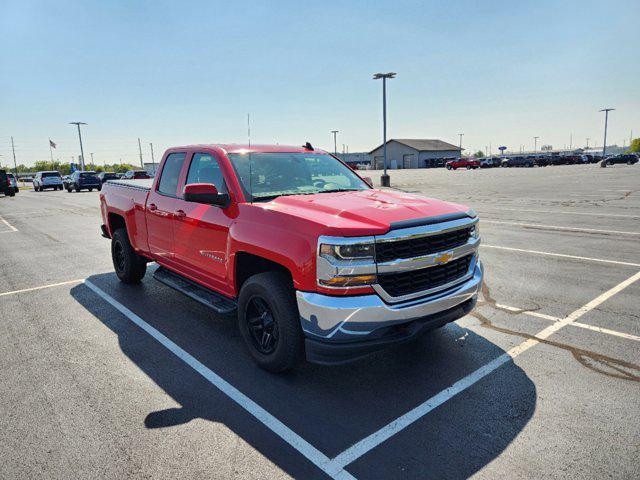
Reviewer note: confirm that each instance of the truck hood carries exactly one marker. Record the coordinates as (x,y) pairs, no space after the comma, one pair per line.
(364,212)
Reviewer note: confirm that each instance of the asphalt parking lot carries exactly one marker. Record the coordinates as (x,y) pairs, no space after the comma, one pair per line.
(104,380)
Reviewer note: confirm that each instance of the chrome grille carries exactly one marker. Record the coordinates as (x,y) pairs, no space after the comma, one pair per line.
(424,245)
(404,283)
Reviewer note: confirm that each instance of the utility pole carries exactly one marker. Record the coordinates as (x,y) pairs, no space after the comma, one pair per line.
(460,135)
(140,148)
(570,141)
(15,165)
(153,160)
(535,144)
(335,145)
(91,158)
(384,179)
(587,144)
(80,137)
(606,121)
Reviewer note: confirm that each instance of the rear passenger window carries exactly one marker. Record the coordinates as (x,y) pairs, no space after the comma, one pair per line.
(205,169)
(171,173)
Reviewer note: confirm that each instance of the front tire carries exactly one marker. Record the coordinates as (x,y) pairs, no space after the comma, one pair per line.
(269,321)
(130,267)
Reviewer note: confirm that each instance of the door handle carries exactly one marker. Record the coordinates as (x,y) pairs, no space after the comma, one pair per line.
(153,207)
(180,214)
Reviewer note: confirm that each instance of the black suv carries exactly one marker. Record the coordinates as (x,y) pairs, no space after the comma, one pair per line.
(5,184)
(104,176)
(628,158)
(517,162)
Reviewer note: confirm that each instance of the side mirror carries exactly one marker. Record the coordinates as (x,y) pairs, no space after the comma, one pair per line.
(368,181)
(206,193)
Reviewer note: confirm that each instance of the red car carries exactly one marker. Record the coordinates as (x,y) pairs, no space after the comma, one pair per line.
(467,163)
(313,261)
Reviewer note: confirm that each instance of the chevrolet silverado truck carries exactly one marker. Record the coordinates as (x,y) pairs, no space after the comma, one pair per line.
(312,260)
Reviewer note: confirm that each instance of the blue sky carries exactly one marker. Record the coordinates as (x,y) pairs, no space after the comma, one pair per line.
(189,72)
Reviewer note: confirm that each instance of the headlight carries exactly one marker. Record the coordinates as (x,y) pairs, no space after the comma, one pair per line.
(475,230)
(341,264)
(356,251)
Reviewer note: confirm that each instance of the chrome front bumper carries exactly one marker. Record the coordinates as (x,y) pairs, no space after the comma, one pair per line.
(335,319)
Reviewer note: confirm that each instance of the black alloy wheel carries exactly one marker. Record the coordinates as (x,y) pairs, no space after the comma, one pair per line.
(263,327)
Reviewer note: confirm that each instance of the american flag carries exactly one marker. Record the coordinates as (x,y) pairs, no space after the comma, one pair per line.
(51,144)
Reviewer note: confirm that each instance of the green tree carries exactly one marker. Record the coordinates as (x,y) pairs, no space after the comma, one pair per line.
(479,154)
(635,146)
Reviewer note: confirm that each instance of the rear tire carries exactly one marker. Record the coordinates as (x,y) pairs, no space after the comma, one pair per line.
(130,267)
(77,189)
(269,321)
(448,167)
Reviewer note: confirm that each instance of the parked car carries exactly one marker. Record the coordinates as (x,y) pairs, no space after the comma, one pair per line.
(44,180)
(486,163)
(136,175)
(105,176)
(628,158)
(83,181)
(14,183)
(540,161)
(517,162)
(295,243)
(5,184)
(468,163)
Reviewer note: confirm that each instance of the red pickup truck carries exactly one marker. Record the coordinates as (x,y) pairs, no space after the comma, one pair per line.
(312,259)
(467,163)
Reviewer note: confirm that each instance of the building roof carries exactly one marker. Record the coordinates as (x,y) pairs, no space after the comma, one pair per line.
(423,145)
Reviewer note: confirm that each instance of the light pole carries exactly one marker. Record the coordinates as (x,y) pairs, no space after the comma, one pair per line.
(80,137)
(587,144)
(460,135)
(140,148)
(153,160)
(335,145)
(606,121)
(535,144)
(384,179)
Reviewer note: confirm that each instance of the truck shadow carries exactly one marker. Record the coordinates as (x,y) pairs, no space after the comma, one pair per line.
(330,407)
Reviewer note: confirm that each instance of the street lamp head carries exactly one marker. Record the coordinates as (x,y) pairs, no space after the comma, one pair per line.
(607,109)
(77,123)
(378,76)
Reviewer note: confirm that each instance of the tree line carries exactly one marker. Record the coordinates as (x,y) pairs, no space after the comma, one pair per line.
(65,168)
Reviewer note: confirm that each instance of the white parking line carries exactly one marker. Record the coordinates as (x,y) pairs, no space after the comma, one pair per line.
(367,444)
(586,326)
(69,282)
(560,228)
(562,255)
(11,227)
(561,212)
(272,423)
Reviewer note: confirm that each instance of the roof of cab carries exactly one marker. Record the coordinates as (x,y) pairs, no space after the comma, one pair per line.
(246,148)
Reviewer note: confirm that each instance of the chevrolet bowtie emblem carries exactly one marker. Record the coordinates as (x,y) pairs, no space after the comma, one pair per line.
(443,258)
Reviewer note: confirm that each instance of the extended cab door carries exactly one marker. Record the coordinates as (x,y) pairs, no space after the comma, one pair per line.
(201,231)
(161,207)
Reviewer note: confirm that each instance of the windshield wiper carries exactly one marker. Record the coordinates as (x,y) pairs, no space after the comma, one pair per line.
(335,190)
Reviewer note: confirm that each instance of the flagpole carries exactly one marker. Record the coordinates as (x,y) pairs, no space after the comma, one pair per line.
(50,151)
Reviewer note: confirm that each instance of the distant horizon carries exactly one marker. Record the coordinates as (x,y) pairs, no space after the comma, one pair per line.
(171,74)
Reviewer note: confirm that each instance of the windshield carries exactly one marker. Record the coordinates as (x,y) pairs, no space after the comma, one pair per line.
(50,174)
(88,174)
(277,174)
